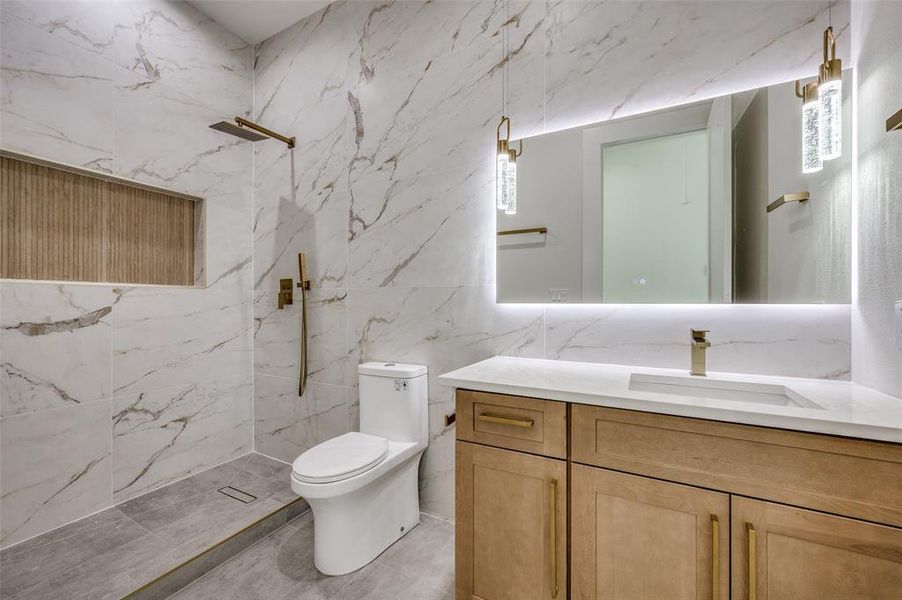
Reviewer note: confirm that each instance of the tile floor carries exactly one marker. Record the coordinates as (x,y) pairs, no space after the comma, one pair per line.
(420,566)
(116,551)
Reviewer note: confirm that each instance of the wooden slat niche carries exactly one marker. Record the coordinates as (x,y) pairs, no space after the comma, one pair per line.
(62,225)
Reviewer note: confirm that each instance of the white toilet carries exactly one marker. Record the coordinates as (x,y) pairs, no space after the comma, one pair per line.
(362,487)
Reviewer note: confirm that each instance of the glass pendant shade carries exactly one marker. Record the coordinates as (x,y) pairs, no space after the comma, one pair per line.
(811,155)
(830,95)
(502,180)
(510,206)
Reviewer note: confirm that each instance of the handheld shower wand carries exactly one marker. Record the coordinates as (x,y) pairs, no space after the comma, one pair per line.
(304,284)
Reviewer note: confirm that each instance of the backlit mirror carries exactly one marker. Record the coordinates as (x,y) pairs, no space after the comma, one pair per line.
(702,203)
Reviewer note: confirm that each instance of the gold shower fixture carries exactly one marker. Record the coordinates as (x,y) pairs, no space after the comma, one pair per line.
(249,130)
(506,172)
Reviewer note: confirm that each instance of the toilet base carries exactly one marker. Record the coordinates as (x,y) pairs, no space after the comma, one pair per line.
(349,531)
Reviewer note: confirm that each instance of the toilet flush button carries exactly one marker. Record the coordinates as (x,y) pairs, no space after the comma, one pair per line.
(400,385)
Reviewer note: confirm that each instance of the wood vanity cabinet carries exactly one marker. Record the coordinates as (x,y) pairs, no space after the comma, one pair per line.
(635,537)
(668,508)
(511,525)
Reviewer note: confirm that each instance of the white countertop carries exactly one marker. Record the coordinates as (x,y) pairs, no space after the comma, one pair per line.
(845,408)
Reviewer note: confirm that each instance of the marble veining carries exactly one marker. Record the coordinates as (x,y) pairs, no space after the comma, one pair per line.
(394,208)
(55,341)
(129,88)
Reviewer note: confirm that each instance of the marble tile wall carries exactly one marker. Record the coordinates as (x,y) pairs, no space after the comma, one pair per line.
(877,355)
(390,190)
(107,392)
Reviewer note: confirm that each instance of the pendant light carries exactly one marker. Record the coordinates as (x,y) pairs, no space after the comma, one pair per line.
(506,157)
(811,124)
(830,99)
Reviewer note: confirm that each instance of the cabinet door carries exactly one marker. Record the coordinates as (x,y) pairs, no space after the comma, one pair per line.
(635,538)
(511,525)
(785,553)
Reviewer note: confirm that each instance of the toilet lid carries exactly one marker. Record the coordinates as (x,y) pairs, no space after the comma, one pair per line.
(340,458)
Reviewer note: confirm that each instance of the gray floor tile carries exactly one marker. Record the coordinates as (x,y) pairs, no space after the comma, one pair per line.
(108,575)
(420,566)
(115,552)
(34,561)
(279,567)
(268,468)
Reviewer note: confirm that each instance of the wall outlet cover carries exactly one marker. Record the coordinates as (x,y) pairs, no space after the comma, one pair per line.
(897,324)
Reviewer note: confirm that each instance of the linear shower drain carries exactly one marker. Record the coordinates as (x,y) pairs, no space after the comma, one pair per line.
(236,494)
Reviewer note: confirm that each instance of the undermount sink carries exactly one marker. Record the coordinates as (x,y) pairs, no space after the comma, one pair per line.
(718,389)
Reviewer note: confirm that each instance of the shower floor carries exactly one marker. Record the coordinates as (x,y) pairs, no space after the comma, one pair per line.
(419,566)
(152,545)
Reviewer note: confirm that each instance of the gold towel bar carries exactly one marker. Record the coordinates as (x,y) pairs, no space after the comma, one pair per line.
(542,230)
(785,198)
(894,123)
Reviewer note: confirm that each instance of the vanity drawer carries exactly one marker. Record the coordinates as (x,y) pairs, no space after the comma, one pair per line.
(839,475)
(513,422)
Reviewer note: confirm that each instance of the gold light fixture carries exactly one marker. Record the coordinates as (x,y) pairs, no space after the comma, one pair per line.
(811,124)
(506,169)
(830,97)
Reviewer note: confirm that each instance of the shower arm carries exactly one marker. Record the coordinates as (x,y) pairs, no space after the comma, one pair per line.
(304,284)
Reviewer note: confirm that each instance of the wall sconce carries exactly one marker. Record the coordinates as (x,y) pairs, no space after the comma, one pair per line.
(830,96)
(506,169)
(811,123)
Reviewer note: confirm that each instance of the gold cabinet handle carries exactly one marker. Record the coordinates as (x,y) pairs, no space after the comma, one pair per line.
(753,561)
(516,422)
(552,535)
(715,557)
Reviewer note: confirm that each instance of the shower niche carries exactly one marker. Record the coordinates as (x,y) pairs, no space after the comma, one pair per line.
(65,223)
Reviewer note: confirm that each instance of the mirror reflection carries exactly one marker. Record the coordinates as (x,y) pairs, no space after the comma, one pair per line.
(703,203)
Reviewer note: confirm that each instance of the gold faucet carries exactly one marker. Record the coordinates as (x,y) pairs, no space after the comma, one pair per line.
(699,344)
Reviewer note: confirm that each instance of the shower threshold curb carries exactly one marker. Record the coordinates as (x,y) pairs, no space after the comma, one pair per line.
(206,560)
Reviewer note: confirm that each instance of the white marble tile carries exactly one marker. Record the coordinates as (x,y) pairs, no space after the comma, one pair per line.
(435,230)
(163,138)
(164,337)
(55,466)
(173,43)
(78,22)
(57,99)
(422,120)
(397,36)
(301,199)
(305,64)
(55,341)
(608,59)
(796,341)
(285,424)
(277,335)
(166,434)
(228,244)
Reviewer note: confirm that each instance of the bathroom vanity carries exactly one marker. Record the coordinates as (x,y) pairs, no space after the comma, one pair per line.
(591,481)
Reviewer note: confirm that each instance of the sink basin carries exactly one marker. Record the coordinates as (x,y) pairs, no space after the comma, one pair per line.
(718,389)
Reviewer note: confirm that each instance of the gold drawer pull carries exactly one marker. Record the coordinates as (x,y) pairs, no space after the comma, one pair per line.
(753,559)
(524,422)
(552,535)
(715,557)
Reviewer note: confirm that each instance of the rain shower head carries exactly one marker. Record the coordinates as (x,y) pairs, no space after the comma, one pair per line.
(249,130)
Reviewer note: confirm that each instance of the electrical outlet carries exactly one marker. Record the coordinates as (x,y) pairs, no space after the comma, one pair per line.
(897,324)
(558,294)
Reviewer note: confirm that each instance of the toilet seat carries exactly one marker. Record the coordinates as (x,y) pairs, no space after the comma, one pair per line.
(340,458)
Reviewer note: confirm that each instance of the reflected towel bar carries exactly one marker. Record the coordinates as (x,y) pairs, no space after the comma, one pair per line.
(894,123)
(542,230)
(786,198)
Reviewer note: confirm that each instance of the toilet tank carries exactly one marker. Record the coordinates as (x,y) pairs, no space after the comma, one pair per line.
(393,401)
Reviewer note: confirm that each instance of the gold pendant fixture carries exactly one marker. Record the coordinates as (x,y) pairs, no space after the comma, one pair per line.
(506,172)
